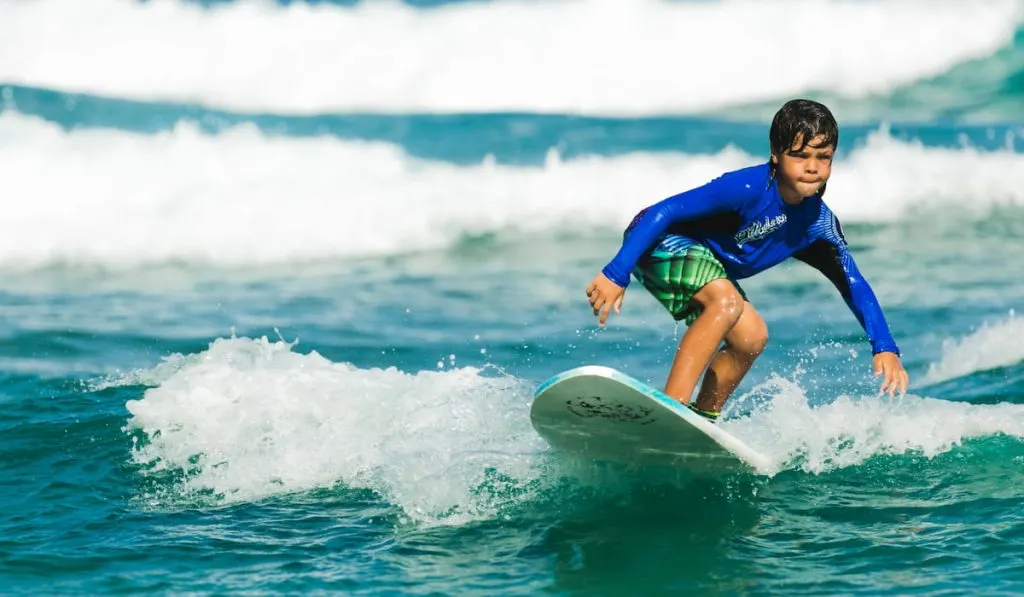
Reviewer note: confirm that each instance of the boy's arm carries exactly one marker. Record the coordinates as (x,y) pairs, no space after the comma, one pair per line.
(830,255)
(722,194)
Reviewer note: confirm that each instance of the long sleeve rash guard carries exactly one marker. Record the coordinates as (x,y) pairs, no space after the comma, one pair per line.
(742,218)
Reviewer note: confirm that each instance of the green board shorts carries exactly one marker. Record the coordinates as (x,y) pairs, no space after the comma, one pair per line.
(675,269)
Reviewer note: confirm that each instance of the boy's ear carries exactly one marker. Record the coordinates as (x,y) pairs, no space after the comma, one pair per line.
(774,159)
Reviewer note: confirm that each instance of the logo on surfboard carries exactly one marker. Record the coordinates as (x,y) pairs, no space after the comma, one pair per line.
(588,407)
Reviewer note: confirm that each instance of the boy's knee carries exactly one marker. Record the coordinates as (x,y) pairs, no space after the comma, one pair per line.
(722,298)
(752,340)
(757,340)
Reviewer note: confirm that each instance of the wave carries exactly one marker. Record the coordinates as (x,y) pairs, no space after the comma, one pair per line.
(243,197)
(992,345)
(987,89)
(247,419)
(572,56)
(796,435)
(251,418)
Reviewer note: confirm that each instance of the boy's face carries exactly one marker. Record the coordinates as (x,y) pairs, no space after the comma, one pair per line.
(804,169)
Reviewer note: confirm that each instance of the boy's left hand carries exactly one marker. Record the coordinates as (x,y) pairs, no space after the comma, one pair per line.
(894,376)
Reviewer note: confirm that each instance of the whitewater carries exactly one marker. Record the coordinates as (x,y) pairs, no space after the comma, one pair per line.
(570,56)
(117,198)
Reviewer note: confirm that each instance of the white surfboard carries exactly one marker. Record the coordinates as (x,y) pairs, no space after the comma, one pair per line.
(604,414)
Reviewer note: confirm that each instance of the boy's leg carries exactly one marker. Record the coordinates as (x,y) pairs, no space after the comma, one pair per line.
(743,343)
(722,308)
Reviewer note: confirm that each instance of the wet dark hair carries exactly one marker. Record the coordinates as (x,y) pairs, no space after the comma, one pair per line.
(806,119)
(802,117)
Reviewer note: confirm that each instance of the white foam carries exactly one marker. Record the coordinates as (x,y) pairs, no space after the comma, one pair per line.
(851,430)
(242,198)
(249,419)
(994,344)
(570,56)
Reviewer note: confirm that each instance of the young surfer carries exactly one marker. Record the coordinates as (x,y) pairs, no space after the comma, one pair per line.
(690,249)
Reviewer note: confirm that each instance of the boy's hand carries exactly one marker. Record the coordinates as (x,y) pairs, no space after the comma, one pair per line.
(605,295)
(895,378)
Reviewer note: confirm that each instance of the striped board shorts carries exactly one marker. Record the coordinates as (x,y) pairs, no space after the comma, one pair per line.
(675,269)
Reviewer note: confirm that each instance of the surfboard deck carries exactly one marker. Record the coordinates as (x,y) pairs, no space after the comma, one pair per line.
(604,414)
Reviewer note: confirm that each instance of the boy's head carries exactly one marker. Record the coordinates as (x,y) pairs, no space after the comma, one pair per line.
(804,136)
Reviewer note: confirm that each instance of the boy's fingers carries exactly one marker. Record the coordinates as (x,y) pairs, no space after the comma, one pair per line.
(886,379)
(895,382)
(895,378)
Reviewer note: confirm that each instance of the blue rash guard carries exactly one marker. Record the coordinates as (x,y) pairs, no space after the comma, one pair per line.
(742,218)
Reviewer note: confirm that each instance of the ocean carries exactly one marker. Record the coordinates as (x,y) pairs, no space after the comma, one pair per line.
(279,280)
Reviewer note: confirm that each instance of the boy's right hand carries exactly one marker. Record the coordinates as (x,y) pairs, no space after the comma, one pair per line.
(605,295)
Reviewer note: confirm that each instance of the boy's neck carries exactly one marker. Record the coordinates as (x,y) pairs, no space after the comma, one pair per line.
(790,196)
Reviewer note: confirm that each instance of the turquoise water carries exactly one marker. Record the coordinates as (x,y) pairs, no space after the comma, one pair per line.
(274,305)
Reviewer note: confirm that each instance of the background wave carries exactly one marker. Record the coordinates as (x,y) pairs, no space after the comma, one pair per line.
(574,56)
(246,197)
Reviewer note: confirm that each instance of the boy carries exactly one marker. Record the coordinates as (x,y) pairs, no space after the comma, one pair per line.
(689,250)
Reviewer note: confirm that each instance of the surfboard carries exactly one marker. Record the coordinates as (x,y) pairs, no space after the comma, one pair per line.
(603,414)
